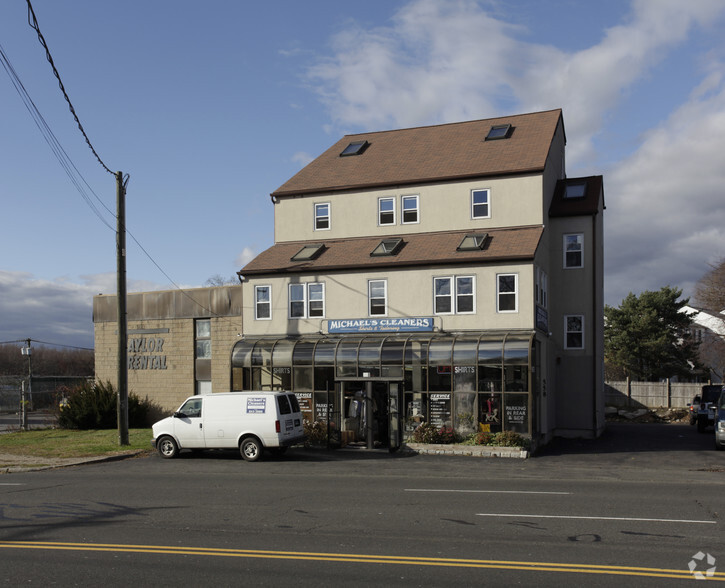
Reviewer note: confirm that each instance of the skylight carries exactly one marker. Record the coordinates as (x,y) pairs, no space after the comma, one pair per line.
(308,252)
(354,148)
(473,242)
(498,132)
(387,247)
(575,190)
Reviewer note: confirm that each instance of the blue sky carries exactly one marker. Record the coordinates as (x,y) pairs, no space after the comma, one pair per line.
(210,106)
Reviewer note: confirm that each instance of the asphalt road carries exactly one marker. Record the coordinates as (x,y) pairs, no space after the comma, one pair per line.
(636,507)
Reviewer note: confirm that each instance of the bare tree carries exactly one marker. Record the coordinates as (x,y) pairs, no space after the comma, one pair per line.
(710,289)
(219,280)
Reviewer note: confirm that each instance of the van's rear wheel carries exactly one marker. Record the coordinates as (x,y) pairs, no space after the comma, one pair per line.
(167,447)
(250,448)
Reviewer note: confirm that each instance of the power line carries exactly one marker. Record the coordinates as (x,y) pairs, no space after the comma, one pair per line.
(33,22)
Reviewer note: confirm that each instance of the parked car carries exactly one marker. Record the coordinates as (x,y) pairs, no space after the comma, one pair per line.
(720,422)
(703,407)
(249,421)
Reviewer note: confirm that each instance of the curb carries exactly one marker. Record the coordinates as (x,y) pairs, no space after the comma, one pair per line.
(467,450)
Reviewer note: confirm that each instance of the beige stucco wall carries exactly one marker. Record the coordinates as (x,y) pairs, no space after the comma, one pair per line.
(410,294)
(513,201)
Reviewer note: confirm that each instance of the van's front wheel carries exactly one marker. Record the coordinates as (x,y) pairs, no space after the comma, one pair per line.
(167,447)
(250,448)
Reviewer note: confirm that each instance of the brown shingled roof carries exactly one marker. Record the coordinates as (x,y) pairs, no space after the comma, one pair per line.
(430,154)
(501,245)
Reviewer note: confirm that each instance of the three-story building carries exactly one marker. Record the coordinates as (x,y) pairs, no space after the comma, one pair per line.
(449,274)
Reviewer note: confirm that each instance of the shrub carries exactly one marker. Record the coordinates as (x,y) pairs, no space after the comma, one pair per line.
(429,433)
(92,405)
(502,439)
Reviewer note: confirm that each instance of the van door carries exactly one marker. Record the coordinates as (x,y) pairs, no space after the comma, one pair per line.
(188,425)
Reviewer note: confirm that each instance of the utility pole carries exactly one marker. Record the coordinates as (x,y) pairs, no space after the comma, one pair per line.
(122,399)
(23,397)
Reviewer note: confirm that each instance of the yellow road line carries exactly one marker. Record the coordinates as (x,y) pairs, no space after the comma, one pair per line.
(361,558)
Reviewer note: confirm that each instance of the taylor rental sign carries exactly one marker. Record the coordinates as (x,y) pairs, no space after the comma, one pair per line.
(147,353)
(380,325)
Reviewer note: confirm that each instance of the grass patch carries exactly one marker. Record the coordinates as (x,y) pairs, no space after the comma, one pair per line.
(65,443)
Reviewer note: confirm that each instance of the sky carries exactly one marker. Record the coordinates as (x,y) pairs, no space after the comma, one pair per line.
(208,107)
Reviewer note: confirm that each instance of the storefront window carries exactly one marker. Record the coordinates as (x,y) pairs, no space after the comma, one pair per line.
(516,413)
(282,365)
(516,365)
(262,364)
(490,419)
(391,358)
(347,358)
(439,362)
(465,413)
(369,358)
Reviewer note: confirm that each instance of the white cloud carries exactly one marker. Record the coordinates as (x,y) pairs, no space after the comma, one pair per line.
(247,255)
(58,311)
(302,159)
(443,61)
(665,216)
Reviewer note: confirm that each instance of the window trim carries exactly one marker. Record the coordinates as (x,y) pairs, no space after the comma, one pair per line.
(541,288)
(488,203)
(385,296)
(306,300)
(566,251)
(382,199)
(405,197)
(454,295)
(567,332)
(319,217)
(257,303)
(499,293)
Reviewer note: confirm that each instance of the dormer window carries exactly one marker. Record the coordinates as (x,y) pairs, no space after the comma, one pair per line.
(308,252)
(473,242)
(387,247)
(354,148)
(499,132)
(575,190)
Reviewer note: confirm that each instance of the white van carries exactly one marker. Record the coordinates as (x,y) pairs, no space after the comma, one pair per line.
(249,421)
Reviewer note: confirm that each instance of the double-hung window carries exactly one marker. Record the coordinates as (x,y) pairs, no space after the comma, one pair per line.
(574,250)
(386,211)
(322,216)
(378,297)
(307,300)
(411,213)
(263,302)
(507,295)
(574,331)
(454,295)
(480,204)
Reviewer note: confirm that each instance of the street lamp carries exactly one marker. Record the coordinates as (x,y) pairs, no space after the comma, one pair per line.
(23,403)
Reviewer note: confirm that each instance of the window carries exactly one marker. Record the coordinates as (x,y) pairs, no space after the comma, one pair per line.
(386,211)
(472,242)
(262,302)
(378,297)
(576,190)
(354,148)
(411,213)
(499,132)
(306,300)
(308,252)
(507,292)
(203,339)
(480,204)
(574,331)
(453,295)
(573,251)
(322,216)
(387,247)
(541,288)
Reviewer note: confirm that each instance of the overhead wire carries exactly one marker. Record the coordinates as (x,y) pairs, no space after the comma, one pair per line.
(65,161)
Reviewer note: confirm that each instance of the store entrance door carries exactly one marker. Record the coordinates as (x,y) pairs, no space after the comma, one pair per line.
(371,412)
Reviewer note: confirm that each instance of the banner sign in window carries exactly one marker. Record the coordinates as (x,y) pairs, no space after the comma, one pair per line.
(381,325)
(440,409)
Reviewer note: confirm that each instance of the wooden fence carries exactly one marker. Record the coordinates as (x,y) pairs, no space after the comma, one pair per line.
(665,394)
